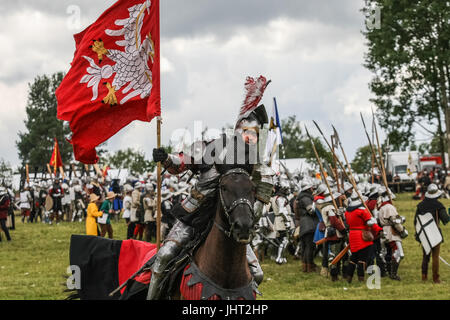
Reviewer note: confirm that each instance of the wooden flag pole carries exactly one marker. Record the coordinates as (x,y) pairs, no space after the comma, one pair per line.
(158,175)
(274,149)
(28,173)
(49,170)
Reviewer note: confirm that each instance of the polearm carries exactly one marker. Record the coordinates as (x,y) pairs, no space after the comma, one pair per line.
(322,170)
(335,169)
(340,255)
(351,178)
(349,175)
(381,156)
(372,149)
(379,165)
(372,164)
(288,173)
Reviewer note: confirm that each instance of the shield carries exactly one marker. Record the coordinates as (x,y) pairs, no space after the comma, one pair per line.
(428,232)
(48,203)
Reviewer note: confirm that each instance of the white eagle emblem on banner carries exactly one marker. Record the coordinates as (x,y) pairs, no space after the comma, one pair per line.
(132,73)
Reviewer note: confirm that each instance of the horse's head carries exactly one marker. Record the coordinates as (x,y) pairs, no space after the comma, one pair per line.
(237,197)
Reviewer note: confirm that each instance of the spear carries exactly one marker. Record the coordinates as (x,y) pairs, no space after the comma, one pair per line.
(372,149)
(349,177)
(383,170)
(321,169)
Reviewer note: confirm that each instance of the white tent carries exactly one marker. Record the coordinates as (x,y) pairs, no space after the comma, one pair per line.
(295,165)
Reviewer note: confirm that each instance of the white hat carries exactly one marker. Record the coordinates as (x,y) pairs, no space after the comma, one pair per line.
(347,186)
(355,200)
(306,184)
(321,189)
(374,189)
(384,193)
(329,197)
(433,192)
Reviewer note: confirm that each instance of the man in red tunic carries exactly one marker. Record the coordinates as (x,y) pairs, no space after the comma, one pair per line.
(358,218)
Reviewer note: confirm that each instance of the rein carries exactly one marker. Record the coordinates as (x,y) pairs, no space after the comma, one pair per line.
(229,209)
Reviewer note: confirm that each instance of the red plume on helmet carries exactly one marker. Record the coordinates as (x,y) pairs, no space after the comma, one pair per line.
(254,91)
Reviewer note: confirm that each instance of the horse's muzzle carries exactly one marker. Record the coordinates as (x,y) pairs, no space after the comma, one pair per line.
(242,233)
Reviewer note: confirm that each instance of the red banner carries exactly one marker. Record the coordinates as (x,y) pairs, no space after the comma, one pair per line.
(114,77)
(55,160)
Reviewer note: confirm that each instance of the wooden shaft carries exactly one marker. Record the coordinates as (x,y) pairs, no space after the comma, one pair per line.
(335,172)
(382,163)
(322,171)
(49,170)
(372,149)
(274,149)
(158,200)
(350,178)
(371,166)
(340,255)
(61,170)
(28,173)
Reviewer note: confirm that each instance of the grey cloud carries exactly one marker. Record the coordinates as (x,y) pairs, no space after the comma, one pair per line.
(181,18)
(222,17)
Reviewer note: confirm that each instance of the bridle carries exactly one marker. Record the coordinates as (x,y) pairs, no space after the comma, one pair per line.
(229,209)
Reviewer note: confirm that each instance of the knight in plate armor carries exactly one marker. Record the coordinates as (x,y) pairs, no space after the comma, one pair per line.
(250,121)
(394,231)
(283,222)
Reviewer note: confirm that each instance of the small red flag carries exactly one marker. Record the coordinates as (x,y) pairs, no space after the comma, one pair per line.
(115,76)
(55,160)
(105,171)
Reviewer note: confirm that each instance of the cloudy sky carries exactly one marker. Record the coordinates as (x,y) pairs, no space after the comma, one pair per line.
(311,50)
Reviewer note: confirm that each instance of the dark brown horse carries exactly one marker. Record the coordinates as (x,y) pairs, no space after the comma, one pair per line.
(222,257)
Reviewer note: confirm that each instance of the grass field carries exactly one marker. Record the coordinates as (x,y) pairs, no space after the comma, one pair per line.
(33,264)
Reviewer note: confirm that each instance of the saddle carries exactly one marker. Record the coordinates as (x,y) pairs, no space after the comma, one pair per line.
(137,285)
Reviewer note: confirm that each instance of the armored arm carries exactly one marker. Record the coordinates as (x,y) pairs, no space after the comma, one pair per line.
(307,204)
(335,221)
(177,163)
(397,224)
(262,177)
